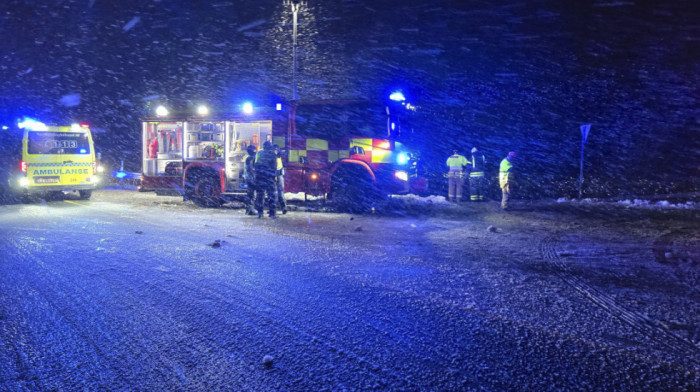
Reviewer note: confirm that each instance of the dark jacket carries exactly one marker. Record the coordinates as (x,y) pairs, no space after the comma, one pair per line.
(265,163)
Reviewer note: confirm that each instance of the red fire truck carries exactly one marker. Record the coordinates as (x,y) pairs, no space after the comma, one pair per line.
(350,152)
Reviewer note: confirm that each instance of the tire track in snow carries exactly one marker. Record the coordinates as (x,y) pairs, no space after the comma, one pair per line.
(253,317)
(69,299)
(26,259)
(647,327)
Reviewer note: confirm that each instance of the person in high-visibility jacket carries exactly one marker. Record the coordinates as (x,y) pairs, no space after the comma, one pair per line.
(476,176)
(455,176)
(505,178)
(279,175)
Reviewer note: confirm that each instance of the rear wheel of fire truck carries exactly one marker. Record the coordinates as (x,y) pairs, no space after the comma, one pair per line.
(207,193)
(84,195)
(352,190)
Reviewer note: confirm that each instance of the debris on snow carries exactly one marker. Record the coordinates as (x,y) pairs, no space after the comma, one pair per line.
(267,360)
(215,244)
(139,232)
(358,228)
(492,229)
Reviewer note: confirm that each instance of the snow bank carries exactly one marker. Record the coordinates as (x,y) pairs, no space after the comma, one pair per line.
(421,200)
(637,203)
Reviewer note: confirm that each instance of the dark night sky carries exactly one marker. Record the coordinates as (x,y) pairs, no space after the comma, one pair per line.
(502,75)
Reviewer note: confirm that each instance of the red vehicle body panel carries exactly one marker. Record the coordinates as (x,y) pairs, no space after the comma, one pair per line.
(309,162)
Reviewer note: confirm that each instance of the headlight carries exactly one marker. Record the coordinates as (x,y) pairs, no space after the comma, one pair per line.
(24,181)
(402,158)
(401,175)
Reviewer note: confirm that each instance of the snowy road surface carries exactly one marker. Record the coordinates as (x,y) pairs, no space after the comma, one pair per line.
(130,291)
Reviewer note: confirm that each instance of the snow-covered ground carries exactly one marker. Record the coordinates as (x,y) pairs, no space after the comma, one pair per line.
(133,291)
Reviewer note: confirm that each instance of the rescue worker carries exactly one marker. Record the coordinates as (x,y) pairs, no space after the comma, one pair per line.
(476,176)
(505,178)
(280,179)
(265,168)
(249,178)
(455,176)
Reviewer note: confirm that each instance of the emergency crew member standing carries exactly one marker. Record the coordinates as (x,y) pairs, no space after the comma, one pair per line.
(249,177)
(265,168)
(505,178)
(455,176)
(476,176)
(280,179)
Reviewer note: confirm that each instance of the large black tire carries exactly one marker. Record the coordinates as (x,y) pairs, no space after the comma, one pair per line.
(207,193)
(352,190)
(85,195)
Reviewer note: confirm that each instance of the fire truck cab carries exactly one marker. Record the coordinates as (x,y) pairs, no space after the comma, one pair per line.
(340,150)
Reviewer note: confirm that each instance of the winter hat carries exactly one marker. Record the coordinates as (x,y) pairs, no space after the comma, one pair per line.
(474,150)
(511,154)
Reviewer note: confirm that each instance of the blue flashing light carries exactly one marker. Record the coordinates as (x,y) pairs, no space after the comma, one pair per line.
(397,96)
(402,158)
(83,151)
(32,125)
(248,108)
(120,174)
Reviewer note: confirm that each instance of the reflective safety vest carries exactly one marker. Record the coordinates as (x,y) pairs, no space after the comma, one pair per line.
(505,174)
(456,162)
(280,166)
(478,162)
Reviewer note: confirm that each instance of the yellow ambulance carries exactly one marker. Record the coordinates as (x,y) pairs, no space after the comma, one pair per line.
(56,159)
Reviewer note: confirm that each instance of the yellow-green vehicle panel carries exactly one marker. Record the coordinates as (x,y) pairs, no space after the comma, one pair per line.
(59,158)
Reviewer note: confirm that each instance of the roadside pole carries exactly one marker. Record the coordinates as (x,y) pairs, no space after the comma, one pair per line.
(584,135)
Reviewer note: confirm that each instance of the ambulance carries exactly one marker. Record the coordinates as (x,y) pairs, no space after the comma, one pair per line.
(55,159)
